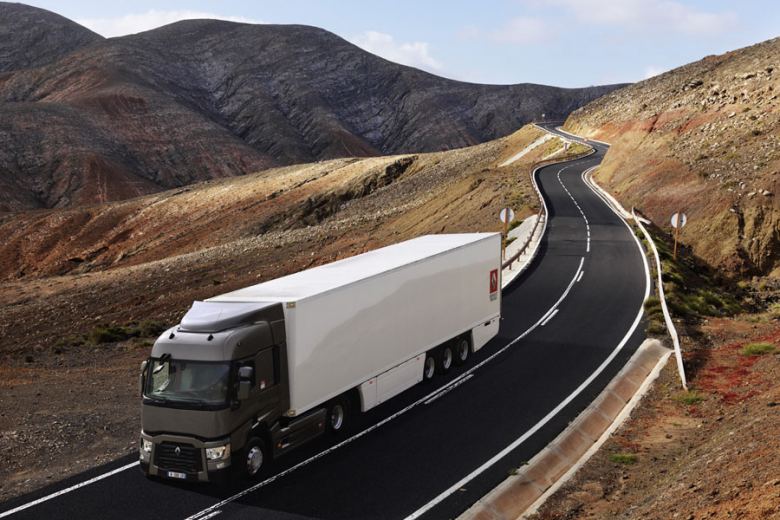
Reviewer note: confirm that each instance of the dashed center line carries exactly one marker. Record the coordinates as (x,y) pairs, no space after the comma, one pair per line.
(577,205)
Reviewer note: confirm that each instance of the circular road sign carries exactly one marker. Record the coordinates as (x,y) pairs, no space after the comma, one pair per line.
(679,220)
(506,215)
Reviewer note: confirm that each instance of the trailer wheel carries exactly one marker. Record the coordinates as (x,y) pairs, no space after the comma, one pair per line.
(337,415)
(445,359)
(429,367)
(462,350)
(255,458)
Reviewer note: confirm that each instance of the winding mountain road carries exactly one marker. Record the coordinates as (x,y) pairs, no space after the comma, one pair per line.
(570,322)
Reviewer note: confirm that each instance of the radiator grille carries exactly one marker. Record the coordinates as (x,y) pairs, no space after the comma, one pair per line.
(188,460)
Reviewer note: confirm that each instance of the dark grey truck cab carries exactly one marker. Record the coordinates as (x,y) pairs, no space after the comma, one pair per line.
(214,393)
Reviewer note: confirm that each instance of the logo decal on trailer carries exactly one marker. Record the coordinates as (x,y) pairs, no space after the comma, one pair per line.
(493,284)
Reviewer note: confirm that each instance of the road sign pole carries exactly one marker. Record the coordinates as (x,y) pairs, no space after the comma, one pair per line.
(676,238)
(503,241)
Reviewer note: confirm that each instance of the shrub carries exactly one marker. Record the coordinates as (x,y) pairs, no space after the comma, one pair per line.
(623,458)
(689,398)
(757,349)
(108,334)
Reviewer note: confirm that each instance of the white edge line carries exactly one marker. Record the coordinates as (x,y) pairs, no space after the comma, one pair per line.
(68,489)
(424,509)
(552,315)
(580,276)
(619,420)
(448,389)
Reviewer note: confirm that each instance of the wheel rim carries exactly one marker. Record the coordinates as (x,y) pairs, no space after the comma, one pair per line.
(337,417)
(446,359)
(254,460)
(463,350)
(430,366)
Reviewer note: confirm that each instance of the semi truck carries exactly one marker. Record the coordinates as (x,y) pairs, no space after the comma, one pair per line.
(249,375)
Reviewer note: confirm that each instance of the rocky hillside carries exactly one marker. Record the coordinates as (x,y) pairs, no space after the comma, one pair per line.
(704,139)
(31,37)
(85,119)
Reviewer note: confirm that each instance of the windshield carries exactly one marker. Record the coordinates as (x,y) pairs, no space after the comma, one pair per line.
(185,381)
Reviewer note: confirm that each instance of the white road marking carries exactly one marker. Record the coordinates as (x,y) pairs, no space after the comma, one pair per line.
(427,507)
(199,515)
(448,389)
(552,315)
(580,276)
(211,515)
(68,490)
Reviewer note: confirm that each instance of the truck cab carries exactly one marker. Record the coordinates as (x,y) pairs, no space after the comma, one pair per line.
(211,389)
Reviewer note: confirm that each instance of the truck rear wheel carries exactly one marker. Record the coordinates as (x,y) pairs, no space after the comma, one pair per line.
(255,458)
(462,350)
(429,367)
(445,359)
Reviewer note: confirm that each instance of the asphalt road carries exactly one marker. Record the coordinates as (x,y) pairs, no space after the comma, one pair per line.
(569,324)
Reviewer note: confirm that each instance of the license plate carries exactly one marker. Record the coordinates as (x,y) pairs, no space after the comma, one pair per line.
(176,474)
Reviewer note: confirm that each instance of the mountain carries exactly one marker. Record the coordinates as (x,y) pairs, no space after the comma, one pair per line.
(31,37)
(203,99)
(703,139)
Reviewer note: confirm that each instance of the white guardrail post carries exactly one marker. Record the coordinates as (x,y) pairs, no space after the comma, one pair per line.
(667,318)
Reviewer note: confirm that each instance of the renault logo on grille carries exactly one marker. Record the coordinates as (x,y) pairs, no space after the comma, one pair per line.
(177,451)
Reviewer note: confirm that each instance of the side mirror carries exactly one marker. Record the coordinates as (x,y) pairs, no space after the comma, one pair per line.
(245,376)
(142,377)
(243,390)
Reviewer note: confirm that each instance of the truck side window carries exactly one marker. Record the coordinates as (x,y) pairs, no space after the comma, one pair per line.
(265,369)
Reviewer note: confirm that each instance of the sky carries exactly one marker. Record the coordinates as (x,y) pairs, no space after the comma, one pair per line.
(568,43)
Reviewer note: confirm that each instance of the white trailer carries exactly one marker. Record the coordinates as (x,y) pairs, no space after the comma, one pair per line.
(371,322)
(249,375)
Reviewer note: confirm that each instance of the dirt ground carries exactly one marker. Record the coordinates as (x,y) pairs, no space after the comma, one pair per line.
(69,400)
(711,453)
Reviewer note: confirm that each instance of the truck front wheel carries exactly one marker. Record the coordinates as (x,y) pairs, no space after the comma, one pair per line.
(255,458)
(337,415)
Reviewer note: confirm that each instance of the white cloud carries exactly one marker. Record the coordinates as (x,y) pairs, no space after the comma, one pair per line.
(139,22)
(649,14)
(414,54)
(522,29)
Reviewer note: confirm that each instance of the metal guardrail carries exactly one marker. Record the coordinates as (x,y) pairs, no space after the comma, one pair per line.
(509,261)
(667,317)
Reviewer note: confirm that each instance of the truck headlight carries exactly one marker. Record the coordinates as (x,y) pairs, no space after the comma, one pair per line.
(146,449)
(218,453)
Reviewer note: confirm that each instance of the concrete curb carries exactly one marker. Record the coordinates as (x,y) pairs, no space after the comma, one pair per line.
(521,494)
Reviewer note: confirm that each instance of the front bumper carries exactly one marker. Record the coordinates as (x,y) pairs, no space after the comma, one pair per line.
(182,458)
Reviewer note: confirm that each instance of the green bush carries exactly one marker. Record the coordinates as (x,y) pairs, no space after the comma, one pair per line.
(757,349)
(623,458)
(689,398)
(108,334)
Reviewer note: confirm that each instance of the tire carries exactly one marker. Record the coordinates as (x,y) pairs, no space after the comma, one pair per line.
(338,412)
(462,350)
(445,359)
(254,459)
(429,367)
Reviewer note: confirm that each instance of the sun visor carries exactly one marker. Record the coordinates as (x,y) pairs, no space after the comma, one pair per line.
(219,316)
